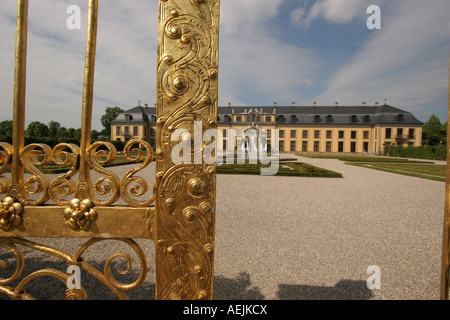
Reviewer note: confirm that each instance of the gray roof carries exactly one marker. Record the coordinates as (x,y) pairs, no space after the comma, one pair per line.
(328,115)
(136,115)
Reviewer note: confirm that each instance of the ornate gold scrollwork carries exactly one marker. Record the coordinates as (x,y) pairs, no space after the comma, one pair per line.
(5,164)
(187,97)
(33,155)
(128,192)
(63,186)
(106,278)
(183,220)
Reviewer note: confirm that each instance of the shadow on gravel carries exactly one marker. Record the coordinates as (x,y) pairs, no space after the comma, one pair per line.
(343,290)
(48,288)
(236,289)
(239,288)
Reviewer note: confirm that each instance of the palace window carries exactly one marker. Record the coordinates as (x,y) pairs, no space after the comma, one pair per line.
(304,146)
(328,146)
(268,119)
(238,119)
(135,130)
(293,145)
(316,134)
(388,133)
(353,135)
(281,146)
(411,134)
(118,133)
(341,134)
(316,146)
(329,134)
(305,134)
(281,133)
(293,133)
(365,134)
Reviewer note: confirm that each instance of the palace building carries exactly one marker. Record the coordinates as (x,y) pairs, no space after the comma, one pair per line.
(311,129)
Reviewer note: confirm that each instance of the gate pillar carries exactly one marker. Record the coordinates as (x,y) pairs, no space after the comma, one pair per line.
(187,75)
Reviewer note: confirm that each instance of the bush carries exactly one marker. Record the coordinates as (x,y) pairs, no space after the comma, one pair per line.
(423,152)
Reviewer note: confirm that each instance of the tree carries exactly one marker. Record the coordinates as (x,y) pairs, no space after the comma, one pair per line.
(53,127)
(61,133)
(37,129)
(71,132)
(94,135)
(110,115)
(434,132)
(6,128)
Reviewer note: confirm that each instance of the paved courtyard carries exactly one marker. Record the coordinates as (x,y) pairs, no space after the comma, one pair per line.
(309,238)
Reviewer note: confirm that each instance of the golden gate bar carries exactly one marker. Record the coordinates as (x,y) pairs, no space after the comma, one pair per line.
(445,272)
(179,212)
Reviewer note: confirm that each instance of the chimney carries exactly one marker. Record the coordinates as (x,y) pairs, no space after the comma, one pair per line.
(275,104)
(364,104)
(377,104)
(336,104)
(293,104)
(229,104)
(146,106)
(315,104)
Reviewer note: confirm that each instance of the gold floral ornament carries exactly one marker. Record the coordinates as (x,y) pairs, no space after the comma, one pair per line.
(10,213)
(80,214)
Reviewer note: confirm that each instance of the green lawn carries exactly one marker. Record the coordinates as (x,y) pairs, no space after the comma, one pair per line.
(358,158)
(426,171)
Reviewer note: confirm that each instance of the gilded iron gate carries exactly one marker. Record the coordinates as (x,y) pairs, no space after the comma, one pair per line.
(179,216)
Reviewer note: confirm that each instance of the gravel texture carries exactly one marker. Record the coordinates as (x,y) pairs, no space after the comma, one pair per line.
(301,238)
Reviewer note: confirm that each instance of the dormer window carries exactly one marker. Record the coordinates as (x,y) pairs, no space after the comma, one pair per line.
(400,117)
(317,118)
(281,119)
(128,117)
(329,118)
(294,118)
(227,118)
(366,118)
(354,118)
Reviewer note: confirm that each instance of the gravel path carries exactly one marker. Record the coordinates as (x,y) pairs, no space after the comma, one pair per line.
(306,238)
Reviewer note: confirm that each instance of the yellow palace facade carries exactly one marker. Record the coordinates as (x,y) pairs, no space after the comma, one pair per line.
(300,129)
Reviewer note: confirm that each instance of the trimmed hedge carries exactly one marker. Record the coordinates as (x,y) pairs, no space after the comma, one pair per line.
(299,169)
(423,152)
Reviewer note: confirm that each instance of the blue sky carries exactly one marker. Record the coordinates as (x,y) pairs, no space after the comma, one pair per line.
(282,51)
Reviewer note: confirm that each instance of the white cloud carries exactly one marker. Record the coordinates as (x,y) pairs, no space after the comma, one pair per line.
(406,61)
(338,11)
